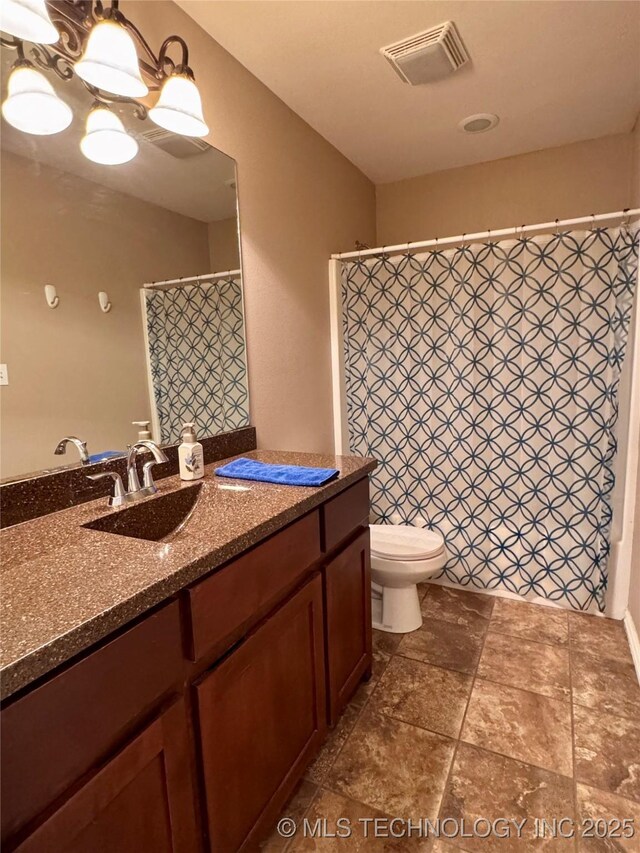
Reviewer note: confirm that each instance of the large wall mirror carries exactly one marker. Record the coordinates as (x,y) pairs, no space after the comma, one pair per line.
(145,261)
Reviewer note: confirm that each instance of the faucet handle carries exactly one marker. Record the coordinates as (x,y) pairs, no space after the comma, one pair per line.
(119,496)
(149,487)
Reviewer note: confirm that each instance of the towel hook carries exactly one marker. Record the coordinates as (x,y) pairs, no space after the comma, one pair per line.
(103,300)
(51,295)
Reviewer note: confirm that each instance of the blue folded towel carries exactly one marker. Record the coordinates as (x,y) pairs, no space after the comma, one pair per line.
(106,454)
(285,475)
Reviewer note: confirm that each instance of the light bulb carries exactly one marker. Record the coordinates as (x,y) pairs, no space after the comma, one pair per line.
(110,61)
(32,105)
(179,107)
(29,20)
(106,141)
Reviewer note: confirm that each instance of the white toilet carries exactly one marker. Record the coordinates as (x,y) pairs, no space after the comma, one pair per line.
(402,556)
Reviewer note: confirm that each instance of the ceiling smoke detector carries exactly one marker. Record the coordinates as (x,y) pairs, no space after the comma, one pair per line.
(478,123)
(428,56)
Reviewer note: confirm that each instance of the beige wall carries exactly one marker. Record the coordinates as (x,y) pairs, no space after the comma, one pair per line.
(224,253)
(557,183)
(300,200)
(74,369)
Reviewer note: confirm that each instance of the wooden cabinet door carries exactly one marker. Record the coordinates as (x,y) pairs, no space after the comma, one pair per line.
(348,621)
(262,717)
(142,799)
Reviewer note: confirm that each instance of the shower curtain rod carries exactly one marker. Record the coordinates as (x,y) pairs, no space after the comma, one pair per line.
(482,235)
(179,282)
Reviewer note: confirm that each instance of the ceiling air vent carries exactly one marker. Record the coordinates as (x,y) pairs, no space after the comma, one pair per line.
(428,56)
(178,146)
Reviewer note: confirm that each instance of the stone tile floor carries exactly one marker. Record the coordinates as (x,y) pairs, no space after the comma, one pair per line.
(493,709)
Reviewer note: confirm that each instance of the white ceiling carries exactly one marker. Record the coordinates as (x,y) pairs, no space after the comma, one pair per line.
(555,72)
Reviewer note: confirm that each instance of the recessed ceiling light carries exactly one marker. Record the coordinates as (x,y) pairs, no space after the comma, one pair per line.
(478,123)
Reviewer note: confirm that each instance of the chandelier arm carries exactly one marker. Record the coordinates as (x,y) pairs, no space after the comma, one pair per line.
(49,61)
(139,110)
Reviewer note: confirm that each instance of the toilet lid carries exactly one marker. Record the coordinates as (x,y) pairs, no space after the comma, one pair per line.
(404,542)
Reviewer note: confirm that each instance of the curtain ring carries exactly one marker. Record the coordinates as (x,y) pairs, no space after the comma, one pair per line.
(557,226)
(464,242)
(593,222)
(625,220)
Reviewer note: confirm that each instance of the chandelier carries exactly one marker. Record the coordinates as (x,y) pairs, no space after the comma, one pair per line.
(101,47)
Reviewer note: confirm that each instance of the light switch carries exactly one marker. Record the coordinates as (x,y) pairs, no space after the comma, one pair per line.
(4,374)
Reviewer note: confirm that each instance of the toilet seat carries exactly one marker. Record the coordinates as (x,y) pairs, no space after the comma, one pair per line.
(405,543)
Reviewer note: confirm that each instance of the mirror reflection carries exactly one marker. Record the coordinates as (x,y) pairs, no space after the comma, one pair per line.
(121,291)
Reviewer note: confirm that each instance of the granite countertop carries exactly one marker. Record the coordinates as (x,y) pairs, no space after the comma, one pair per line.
(65,587)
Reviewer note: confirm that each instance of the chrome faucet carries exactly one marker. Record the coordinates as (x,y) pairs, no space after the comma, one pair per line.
(61,449)
(134,489)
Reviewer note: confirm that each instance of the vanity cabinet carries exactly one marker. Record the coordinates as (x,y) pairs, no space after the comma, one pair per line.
(142,799)
(261,718)
(187,731)
(58,733)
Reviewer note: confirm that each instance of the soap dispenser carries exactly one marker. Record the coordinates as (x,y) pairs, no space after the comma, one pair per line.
(144,433)
(190,455)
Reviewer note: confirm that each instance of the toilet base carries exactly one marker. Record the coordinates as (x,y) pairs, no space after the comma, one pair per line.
(395,610)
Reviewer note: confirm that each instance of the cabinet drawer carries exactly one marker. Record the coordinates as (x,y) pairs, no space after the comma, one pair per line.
(223,606)
(344,513)
(61,730)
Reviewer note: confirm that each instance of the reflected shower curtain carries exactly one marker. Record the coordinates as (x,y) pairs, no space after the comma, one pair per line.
(196,357)
(484,379)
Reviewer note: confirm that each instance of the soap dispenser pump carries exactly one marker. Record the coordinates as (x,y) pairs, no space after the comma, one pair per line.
(144,433)
(190,454)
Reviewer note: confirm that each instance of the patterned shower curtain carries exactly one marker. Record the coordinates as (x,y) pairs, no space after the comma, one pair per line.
(485,379)
(196,356)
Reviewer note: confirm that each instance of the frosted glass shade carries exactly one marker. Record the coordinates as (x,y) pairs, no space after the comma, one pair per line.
(32,106)
(179,107)
(28,20)
(110,61)
(106,141)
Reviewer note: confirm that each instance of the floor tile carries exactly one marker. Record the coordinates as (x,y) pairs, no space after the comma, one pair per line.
(336,739)
(423,695)
(456,605)
(441,846)
(607,750)
(599,636)
(605,683)
(378,666)
(521,725)
(353,824)
(295,809)
(445,644)
(392,766)
(521,663)
(488,786)
(607,810)
(530,621)
(385,642)
(423,588)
